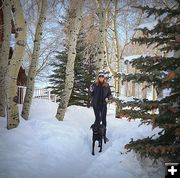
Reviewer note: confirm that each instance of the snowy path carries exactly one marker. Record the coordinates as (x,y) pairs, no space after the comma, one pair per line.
(44,147)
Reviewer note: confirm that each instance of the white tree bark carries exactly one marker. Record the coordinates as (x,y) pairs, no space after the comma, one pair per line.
(117,50)
(69,80)
(101,13)
(4,52)
(14,65)
(34,61)
(116,44)
(111,70)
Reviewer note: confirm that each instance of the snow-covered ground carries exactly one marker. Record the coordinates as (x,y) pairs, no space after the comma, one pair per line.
(43,147)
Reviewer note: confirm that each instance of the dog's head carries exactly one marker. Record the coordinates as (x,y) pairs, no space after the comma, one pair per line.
(98,129)
(94,128)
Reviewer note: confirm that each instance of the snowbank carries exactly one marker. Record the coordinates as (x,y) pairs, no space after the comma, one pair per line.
(43,147)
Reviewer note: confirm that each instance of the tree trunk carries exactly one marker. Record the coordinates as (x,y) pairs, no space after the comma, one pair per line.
(144,90)
(117,50)
(111,70)
(126,82)
(133,83)
(69,80)
(4,52)
(34,61)
(14,66)
(107,58)
(101,13)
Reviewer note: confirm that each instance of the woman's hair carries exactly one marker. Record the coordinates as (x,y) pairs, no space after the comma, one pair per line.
(104,84)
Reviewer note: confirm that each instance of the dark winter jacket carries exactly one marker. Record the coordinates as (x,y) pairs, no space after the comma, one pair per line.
(99,93)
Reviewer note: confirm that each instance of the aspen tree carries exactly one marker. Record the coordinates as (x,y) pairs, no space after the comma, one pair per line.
(117,50)
(34,61)
(14,65)
(4,52)
(69,79)
(111,70)
(102,16)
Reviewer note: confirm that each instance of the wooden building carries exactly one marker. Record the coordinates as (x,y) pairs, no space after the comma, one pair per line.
(21,79)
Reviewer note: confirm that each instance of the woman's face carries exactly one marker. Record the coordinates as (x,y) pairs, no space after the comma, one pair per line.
(101,78)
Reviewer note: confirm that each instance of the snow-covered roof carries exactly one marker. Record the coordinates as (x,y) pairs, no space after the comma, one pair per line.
(126,98)
(130,58)
(148,25)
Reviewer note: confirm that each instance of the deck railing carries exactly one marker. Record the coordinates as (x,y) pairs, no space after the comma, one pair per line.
(41,93)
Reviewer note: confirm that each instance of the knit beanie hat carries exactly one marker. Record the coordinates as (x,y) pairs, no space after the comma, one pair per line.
(101,74)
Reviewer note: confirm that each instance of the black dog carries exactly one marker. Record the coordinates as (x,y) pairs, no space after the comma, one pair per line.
(99,133)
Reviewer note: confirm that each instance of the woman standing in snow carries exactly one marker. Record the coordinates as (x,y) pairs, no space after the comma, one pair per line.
(101,94)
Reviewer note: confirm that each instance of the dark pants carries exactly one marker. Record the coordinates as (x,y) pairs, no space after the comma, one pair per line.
(100,112)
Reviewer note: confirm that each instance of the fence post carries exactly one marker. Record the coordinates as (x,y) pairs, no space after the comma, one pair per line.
(49,95)
(24,92)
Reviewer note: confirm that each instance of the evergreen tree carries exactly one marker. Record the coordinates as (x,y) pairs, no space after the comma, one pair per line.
(85,72)
(84,75)
(57,79)
(164,73)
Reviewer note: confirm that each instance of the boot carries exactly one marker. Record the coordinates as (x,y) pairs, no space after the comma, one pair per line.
(107,139)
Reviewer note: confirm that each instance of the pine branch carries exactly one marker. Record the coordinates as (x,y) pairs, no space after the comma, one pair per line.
(158,11)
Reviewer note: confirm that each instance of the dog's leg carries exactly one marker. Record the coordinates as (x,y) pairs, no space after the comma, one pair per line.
(93,144)
(100,145)
(105,136)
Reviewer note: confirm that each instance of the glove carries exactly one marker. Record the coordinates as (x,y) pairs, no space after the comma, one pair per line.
(106,99)
(91,88)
